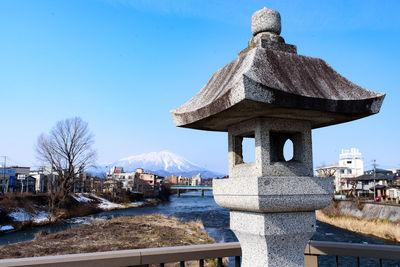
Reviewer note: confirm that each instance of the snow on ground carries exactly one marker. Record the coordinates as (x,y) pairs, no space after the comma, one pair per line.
(86,220)
(105,204)
(6,228)
(81,198)
(21,215)
(41,217)
(138,203)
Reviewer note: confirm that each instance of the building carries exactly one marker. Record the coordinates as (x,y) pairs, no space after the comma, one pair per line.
(129,180)
(112,186)
(139,181)
(151,182)
(196,180)
(350,165)
(25,184)
(172,179)
(9,178)
(149,178)
(368,184)
(116,170)
(42,176)
(393,193)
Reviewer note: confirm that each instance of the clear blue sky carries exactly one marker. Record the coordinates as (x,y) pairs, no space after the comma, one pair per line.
(123,65)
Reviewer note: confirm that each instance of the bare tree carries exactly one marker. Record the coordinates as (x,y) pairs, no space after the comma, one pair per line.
(326,171)
(68,150)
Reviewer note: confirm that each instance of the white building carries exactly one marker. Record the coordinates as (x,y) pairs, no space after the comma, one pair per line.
(42,175)
(196,180)
(350,165)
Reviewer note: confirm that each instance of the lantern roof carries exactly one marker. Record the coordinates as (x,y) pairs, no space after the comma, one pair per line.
(269,79)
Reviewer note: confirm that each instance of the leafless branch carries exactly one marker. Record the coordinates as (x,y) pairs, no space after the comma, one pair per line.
(68,149)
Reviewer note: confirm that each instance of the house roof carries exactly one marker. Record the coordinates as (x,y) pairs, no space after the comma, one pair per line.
(370,177)
(379,186)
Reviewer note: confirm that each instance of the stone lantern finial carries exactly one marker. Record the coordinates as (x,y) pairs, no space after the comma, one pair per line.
(266,20)
(266,30)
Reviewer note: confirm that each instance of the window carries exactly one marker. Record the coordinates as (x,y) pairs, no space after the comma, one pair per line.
(244,148)
(288,150)
(349,162)
(286,147)
(248,149)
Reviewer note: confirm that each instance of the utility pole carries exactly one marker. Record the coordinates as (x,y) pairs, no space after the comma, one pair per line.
(374,179)
(5,188)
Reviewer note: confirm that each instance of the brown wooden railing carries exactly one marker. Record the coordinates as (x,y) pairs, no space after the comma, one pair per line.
(343,249)
(136,257)
(161,256)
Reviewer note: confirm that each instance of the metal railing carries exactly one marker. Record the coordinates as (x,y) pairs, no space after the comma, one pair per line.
(200,253)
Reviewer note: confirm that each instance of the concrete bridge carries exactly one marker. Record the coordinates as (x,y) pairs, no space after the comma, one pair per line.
(201,188)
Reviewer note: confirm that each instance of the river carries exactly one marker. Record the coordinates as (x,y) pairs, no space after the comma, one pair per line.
(190,207)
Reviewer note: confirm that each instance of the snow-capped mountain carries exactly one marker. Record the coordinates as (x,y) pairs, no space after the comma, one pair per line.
(162,163)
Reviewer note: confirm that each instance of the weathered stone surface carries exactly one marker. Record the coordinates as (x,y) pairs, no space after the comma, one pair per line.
(273,95)
(266,20)
(272,83)
(273,194)
(273,239)
(265,41)
(270,136)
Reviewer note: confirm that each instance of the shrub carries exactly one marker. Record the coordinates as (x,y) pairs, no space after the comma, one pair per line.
(4,217)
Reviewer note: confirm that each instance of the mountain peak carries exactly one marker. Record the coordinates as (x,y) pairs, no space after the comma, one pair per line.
(163,163)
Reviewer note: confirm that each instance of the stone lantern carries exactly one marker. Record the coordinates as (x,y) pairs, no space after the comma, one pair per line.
(272,94)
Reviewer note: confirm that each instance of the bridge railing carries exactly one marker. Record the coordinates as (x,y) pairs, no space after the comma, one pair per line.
(199,253)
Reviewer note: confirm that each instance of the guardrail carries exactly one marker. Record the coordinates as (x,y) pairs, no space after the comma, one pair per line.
(161,256)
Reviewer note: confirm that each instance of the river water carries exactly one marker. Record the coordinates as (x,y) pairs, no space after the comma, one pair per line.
(191,207)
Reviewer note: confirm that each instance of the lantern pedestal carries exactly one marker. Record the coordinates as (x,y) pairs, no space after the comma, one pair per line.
(273,239)
(273,217)
(272,200)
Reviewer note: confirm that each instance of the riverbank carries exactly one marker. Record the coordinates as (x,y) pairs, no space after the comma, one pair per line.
(189,207)
(368,219)
(17,216)
(146,231)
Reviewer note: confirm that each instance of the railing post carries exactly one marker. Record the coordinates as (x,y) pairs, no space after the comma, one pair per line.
(310,260)
(237,261)
(220,262)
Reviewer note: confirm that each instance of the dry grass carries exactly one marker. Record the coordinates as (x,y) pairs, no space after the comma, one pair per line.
(145,231)
(378,227)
